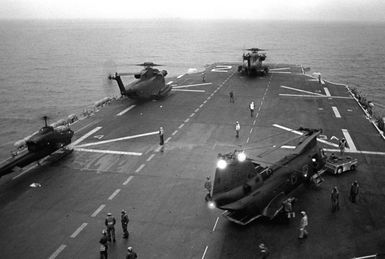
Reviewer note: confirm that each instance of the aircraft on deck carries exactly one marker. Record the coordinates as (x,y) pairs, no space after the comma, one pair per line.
(247,190)
(150,83)
(252,63)
(41,144)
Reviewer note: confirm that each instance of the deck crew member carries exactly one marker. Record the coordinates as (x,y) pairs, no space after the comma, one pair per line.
(251,106)
(237,129)
(124,219)
(288,207)
(110,224)
(335,199)
(342,145)
(231,94)
(263,251)
(354,190)
(131,253)
(161,138)
(203,77)
(303,225)
(103,245)
(208,188)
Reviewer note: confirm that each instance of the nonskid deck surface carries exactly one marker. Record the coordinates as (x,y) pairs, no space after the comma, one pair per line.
(117,165)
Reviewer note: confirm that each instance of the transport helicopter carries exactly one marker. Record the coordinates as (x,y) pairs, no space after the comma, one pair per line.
(252,63)
(247,190)
(41,144)
(150,83)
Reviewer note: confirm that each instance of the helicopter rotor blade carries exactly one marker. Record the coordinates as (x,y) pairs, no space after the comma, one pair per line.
(149,64)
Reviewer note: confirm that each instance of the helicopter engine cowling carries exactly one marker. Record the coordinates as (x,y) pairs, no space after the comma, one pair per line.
(164,72)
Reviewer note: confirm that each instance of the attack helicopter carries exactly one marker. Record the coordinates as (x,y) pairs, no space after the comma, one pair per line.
(150,83)
(252,63)
(41,144)
(246,190)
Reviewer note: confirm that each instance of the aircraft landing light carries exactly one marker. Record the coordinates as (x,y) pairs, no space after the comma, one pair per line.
(221,164)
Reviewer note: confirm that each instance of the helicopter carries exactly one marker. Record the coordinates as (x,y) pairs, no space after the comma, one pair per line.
(41,144)
(247,190)
(252,63)
(150,83)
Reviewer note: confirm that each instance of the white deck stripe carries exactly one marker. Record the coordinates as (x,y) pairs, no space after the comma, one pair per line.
(181,126)
(192,114)
(139,168)
(114,194)
(349,140)
(189,90)
(204,253)
(281,68)
(280,72)
(96,212)
(196,110)
(128,180)
(150,157)
(57,252)
(84,137)
(300,90)
(167,140)
(169,83)
(119,139)
(327,91)
(336,112)
(288,147)
(180,76)
(113,152)
(186,120)
(186,86)
(176,131)
(77,231)
(125,110)
(216,222)
(314,96)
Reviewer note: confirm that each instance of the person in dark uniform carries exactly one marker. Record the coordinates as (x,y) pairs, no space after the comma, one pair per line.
(354,190)
(231,97)
(203,77)
(124,219)
(161,138)
(131,253)
(208,188)
(110,224)
(335,199)
(103,245)
(342,145)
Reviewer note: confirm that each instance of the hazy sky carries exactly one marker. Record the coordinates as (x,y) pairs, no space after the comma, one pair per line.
(325,10)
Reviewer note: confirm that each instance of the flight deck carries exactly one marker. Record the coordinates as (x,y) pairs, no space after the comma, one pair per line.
(117,164)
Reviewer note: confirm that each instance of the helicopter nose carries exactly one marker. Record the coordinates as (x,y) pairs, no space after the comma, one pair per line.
(131,93)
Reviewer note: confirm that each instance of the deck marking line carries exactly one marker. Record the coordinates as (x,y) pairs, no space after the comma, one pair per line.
(192,114)
(327,91)
(200,106)
(251,130)
(189,90)
(186,86)
(180,76)
(176,131)
(114,194)
(302,91)
(288,147)
(196,110)
(205,101)
(204,253)
(119,139)
(336,112)
(280,68)
(128,180)
(158,149)
(169,83)
(349,140)
(255,120)
(356,151)
(113,152)
(77,231)
(125,110)
(317,96)
(84,137)
(186,120)
(167,140)
(247,141)
(366,257)
(96,212)
(216,222)
(150,157)
(57,252)
(181,126)
(139,168)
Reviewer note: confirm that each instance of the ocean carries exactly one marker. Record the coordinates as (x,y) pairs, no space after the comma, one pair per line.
(59,67)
